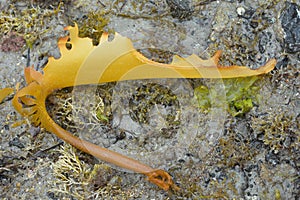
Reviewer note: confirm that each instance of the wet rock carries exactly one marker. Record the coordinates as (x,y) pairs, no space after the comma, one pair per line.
(265,39)
(247,14)
(282,63)
(272,159)
(180,9)
(12,42)
(16,142)
(290,22)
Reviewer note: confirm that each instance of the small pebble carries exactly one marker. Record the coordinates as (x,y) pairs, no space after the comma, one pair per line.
(240,11)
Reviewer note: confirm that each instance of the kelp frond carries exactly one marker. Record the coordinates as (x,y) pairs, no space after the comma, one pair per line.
(82,63)
(4,92)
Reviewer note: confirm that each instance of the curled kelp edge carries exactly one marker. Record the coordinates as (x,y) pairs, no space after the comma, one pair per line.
(30,102)
(110,61)
(117,60)
(4,92)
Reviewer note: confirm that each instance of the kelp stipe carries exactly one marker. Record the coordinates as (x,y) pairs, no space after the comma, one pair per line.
(30,102)
(114,60)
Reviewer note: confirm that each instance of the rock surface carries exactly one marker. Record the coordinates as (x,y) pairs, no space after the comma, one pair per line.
(210,154)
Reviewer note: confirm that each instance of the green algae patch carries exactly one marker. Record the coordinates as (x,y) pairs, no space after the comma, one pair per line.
(203,98)
(241,93)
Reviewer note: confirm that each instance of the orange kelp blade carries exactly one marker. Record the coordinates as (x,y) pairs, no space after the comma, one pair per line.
(118,60)
(4,92)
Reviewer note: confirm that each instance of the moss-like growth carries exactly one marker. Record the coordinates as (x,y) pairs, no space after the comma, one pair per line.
(236,152)
(277,130)
(29,23)
(149,95)
(246,40)
(191,189)
(72,114)
(92,26)
(71,173)
(79,179)
(60,107)
(99,111)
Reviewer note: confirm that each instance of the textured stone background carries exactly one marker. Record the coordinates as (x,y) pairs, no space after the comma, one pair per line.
(255,156)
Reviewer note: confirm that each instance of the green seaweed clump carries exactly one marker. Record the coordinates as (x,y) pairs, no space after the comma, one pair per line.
(203,97)
(240,95)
